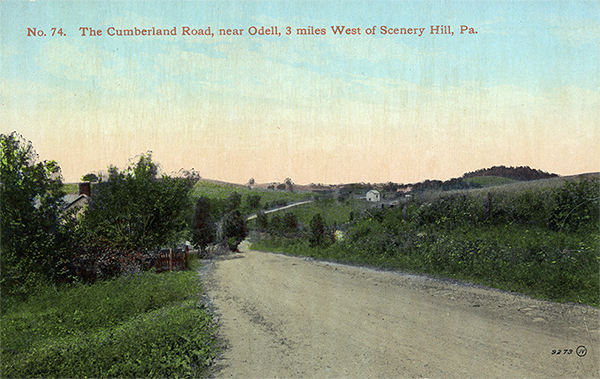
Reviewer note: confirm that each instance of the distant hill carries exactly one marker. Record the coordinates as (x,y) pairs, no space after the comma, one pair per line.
(516,173)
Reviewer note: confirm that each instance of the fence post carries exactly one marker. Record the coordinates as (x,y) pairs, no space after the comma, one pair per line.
(171,259)
(187,262)
(488,206)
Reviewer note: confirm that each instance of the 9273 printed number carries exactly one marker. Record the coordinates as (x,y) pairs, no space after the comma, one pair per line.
(581,351)
(562,351)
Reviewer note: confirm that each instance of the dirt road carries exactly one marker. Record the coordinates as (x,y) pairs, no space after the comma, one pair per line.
(293,317)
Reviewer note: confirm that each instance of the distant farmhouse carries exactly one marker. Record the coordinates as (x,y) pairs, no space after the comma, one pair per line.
(373,196)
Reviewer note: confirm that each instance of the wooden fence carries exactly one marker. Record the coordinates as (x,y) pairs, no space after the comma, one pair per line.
(171,259)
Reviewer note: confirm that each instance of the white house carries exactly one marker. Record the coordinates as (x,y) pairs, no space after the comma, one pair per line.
(374,196)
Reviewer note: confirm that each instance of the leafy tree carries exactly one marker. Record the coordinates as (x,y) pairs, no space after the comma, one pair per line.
(136,209)
(317,231)
(276,224)
(253,201)
(290,185)
(233,201)
(33,238)
(203,225)
(290,222)
(234,229)
(91,177)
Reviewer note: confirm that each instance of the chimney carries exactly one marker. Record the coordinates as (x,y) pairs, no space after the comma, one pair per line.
(85,188)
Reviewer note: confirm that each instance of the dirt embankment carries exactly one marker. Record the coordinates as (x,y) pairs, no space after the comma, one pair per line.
(293,317)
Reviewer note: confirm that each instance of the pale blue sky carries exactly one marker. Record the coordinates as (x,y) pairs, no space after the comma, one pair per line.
(524,90)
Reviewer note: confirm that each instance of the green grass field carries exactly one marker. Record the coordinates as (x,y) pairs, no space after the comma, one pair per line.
(141,325)
(268,196)
(332,211)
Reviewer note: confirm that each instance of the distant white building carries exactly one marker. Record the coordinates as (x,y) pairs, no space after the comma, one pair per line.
(374,196)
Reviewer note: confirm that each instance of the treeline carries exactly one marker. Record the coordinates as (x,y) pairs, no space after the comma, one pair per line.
(391,187)
(520,173)
(516,173)
(448,185)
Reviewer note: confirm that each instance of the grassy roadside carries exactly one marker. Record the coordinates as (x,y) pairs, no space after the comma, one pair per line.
(542,241)
(539,264)
(502,259)
(141,325)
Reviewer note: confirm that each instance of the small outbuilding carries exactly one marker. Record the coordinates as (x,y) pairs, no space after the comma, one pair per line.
(373,196)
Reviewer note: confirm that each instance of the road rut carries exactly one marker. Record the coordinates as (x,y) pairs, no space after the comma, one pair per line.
(291,317)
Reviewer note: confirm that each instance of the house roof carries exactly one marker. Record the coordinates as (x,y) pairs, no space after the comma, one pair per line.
(73,200)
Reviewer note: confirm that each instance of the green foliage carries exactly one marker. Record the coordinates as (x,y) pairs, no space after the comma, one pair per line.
(543,242)
(253,201)
(146,325)
(33,238)
(233,202)
(203,225)
(317,231)
(290,222)
(91,177)
(218,193)
(577,207)
(70,187)
(262,221)
(285,224)
(332,211)
(234,229)
(135,209)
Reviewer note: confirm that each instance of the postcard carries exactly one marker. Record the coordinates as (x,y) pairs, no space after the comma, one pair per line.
(342,101)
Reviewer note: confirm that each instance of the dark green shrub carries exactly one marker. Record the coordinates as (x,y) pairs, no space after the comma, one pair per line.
(577,207)
(234,229)
(317,231)
(290,222)
(135,209)
(262,221)
(203,225)
(253,201)
(233,202)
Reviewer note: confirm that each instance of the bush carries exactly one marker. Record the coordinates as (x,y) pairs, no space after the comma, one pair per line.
(253,201)
(576,207)
(262,221)
(203,225)
(234,229)
(134,209)
(233,202)
(317,231)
